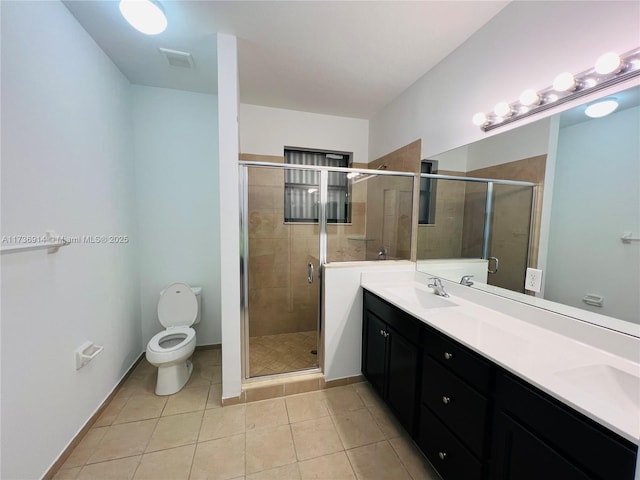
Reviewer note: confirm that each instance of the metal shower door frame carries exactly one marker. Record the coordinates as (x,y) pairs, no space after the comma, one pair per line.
(244,262)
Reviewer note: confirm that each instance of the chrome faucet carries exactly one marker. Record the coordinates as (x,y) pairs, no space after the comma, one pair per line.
(437,286)
(466,280)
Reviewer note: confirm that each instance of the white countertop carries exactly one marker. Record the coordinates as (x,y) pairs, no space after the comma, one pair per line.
(598,383)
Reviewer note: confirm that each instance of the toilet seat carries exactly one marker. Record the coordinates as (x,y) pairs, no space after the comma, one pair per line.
(188,333)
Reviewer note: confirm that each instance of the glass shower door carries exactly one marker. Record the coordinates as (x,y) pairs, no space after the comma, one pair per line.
(498,225)
(510,234)
(281,267)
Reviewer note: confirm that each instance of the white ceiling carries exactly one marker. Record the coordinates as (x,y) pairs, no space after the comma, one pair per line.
(332,57)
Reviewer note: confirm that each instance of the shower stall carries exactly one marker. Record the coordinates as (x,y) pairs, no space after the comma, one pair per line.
(294,219)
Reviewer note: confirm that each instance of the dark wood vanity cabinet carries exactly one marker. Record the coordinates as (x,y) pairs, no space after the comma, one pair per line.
(535,436)
(474,420)
(390,357)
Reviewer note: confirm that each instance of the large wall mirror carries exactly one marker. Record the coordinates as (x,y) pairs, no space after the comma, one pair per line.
(578,222)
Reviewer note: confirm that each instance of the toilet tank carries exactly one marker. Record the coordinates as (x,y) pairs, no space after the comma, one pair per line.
(198,293)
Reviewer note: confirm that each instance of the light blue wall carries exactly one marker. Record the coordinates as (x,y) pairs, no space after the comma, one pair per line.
(595,199)
(67,164)
(176,163)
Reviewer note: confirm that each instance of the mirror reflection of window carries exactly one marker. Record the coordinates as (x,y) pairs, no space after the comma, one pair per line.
(427,211)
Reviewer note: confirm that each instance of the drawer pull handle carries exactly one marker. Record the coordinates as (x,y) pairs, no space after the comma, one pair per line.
(448,356)
(382,332)
(442,455)
(446,400)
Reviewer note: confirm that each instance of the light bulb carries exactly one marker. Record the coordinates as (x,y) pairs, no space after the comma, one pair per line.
(610,62)
(502,109)
(146,16)
(601,109)
(479,119)
(529,97)
(565,82)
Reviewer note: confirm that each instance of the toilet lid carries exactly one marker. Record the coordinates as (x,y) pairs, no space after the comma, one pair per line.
(177,306)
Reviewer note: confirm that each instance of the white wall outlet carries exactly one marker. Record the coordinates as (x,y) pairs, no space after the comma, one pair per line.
(533,280)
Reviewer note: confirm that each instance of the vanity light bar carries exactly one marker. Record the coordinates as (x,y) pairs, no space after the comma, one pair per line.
(610,69)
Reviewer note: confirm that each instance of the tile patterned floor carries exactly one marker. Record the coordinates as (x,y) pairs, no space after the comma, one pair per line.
(338,433)
(287,352)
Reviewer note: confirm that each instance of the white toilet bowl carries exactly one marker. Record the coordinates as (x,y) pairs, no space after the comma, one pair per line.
(171,349)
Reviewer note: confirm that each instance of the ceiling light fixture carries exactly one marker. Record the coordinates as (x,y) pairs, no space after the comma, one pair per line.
(610,69)
(146,16)
(601,109)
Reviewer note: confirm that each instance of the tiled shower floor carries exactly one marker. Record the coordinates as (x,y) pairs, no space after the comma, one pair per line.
(287,352)
(339,433)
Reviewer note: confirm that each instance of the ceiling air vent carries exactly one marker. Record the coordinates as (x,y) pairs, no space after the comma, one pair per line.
(177,58)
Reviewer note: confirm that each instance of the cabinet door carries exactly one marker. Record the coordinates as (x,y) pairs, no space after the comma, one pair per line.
(374,351)
(402,377)
(589,446)
(518,454)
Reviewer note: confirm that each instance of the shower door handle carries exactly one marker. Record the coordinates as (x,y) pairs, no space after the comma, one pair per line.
(495,270)
(310,273)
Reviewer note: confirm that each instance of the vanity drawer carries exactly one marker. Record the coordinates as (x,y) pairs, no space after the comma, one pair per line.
(402,322)
(449,457)
(459,359)
(460,407)
(577,438)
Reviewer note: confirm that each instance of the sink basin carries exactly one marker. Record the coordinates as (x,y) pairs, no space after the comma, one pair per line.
(607,383)
(426,299)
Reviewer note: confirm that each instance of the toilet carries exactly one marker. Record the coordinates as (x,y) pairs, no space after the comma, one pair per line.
(171,349)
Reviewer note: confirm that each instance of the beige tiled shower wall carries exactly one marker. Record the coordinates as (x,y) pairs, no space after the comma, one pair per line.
(443,239)
(389,214)
(404,159)
(391,204)
(280,298)
(511,227)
